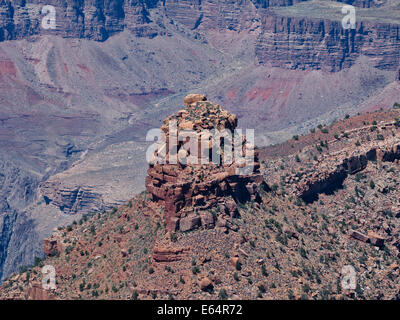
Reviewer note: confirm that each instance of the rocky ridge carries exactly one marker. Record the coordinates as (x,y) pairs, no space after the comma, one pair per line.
(329,171)
(282,248)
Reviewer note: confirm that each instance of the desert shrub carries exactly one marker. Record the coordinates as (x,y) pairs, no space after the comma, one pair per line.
(303,252)
(298,202)
(68,249)
(238,265)
(38,262)
(173,237)
(306,288)
(223,295)
(195,270)
(135,295)
(261,288)
(264,271)
(372,184)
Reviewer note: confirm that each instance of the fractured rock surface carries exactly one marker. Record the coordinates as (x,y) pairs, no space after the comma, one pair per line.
(204,187)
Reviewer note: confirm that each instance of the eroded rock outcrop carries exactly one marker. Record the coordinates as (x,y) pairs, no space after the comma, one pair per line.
(71,198)
(372,237)
(329,174)
(201,170)
(37,292)
(52,246)
(168,254)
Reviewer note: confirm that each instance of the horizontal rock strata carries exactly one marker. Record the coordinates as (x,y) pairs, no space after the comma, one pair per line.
(195,195)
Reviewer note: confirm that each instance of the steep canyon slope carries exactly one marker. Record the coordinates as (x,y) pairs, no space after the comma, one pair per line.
(278,247)
(77,101)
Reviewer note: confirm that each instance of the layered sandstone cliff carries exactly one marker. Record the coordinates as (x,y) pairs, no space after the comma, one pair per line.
(291,33)
(99,20)
(79,19)
(302,37)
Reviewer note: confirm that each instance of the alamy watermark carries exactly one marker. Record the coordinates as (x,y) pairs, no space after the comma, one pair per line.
(349,20)
(349,280)
(49,277)
(49,19)
(207,146)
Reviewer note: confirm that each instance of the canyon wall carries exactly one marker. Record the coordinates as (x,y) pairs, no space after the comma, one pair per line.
(90,19)
(284,40)
(309,43)
(99,20)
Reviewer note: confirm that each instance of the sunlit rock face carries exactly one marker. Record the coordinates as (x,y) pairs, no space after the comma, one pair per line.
(199,182)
